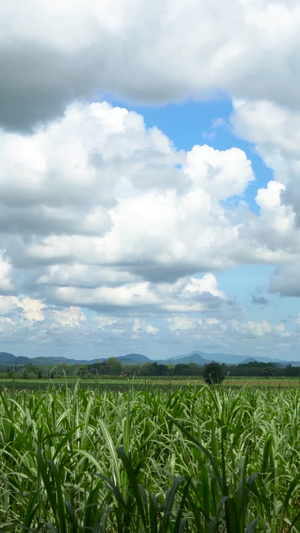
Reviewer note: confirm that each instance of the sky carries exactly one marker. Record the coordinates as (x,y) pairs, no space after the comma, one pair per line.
(150,177)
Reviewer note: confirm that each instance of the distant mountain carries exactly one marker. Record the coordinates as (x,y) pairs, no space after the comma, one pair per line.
(22,360)
(198,357)
(57,360)
(231,359)
(134,359)
(7,358)
(203,358)
(195,357)
(208,358)
(227,359)
(10,359)
(238,359)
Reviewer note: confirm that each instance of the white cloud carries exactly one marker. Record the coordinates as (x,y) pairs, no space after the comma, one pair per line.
(275,130)
(154,52)
(98,212)
(31,308)
(140,326)
(70,318)
(186,295)
(273,232)
(6,284)
(259,329)
(112,206)
(104,322)
(180,323)
(223,335)
(113,327)
(207,284)
(122,228)
(221,174)
(276,133)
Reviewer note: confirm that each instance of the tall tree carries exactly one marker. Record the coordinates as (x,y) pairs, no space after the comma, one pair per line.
(214,373)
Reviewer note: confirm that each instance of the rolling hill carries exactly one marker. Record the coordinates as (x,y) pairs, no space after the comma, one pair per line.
(198,357)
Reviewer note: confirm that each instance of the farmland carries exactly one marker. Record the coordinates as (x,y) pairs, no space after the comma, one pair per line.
(141,383)
(194,459)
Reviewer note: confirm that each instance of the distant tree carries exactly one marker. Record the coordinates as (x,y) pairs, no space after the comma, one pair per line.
(112,366)
(160,370)
(153,369)
(82,372)
(214,373)
(146,369)
(130,370)
(195,370)
(268,372)
(31,371)
(182,370)
(292,371)
(94,368)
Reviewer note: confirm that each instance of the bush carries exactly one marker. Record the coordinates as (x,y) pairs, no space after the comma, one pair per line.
(214,373)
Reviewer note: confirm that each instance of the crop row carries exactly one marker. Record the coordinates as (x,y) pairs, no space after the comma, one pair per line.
(193,460)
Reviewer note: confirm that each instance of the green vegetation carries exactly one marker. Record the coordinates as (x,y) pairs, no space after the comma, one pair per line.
(214,373)
(125,383)
(195,460)
(114,368)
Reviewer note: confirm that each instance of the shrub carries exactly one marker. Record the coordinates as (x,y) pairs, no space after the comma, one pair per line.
(214,373)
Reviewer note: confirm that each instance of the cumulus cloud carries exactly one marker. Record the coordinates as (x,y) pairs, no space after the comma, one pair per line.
(98,212)
(218,172)
(52,54)
(30,308)
(140,326)
(97,201)
(68,174)
(188,294)
(6,284)
(273,232)
(275,132)
(245,336)
(71,317)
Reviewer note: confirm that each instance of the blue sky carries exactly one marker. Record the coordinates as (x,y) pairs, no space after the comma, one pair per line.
(149,178)
(202,122)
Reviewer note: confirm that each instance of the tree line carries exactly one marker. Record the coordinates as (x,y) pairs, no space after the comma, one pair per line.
(113,367)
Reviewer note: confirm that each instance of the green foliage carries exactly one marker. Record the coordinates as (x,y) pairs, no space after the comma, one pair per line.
(205,460)
(214,373)
(153,369)
(113,367)
(109,367)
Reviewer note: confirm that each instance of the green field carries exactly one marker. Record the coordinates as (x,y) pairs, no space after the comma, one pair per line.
(139,383)
(192,459)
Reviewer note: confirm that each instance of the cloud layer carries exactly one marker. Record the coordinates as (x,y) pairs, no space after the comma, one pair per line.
(53,53)
(108,230)
(100,213)
(97,189)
